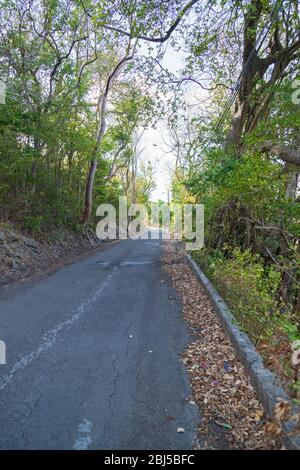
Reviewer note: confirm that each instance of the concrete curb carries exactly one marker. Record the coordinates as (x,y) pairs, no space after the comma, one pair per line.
(264,382)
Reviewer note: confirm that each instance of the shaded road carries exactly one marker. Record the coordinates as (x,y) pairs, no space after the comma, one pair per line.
(93,356)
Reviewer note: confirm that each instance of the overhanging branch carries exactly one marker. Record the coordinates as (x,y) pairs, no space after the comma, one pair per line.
(284,153)
(160,39)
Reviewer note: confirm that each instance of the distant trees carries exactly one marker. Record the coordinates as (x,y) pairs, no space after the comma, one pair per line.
(69,106)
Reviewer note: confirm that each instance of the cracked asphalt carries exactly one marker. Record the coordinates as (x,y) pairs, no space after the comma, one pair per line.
(93,356)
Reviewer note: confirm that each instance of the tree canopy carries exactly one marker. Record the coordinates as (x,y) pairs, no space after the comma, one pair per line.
(85,79)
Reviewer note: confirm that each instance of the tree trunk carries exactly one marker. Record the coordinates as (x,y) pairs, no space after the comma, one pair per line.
(248,73)
(292,185)
(88,195)
(255,89)
(235,132)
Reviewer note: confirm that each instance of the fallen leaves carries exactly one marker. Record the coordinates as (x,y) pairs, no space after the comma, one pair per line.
(282,410)
(221,387)
(273,430)
(283,414)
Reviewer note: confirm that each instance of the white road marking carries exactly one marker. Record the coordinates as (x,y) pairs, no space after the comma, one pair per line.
(50,338)
(83,442)
(135,263)
(104,264)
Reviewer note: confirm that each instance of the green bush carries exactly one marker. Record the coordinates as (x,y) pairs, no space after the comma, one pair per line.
(249,288)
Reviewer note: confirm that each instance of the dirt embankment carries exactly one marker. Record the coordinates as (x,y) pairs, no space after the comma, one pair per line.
(22,256)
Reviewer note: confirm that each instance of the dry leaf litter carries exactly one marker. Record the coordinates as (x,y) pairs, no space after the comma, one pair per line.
(231,415)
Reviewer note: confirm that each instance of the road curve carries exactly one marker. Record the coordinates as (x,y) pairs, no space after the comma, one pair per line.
(93,356)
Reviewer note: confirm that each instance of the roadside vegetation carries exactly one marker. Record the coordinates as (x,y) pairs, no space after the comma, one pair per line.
(244,167)
(72,104)
(85,79)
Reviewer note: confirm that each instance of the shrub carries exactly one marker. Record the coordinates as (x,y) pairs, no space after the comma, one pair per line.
(249,287)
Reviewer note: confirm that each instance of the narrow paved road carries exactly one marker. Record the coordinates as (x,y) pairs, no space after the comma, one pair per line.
(93,356)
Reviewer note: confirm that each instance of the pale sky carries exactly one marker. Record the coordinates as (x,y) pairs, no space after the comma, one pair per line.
(161,161)
(153,140)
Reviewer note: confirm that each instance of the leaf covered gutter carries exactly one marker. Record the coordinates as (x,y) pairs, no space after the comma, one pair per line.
(263,380)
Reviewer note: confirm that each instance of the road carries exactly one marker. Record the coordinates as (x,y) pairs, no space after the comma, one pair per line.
(93,356)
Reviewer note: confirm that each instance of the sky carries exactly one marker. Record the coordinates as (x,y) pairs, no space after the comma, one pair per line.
(154,140)
(162,162)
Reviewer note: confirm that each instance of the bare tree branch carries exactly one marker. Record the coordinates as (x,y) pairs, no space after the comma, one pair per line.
(284,153)
(160,39)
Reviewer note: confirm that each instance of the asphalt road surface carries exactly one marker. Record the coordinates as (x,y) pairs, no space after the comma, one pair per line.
(93,356)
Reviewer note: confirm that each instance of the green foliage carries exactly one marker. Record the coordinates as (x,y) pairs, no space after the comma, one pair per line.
(252,179)
(249,288)
(252,227)
(55,66)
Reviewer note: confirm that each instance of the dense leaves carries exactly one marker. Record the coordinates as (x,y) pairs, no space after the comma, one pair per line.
(56,62)
(243,162)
